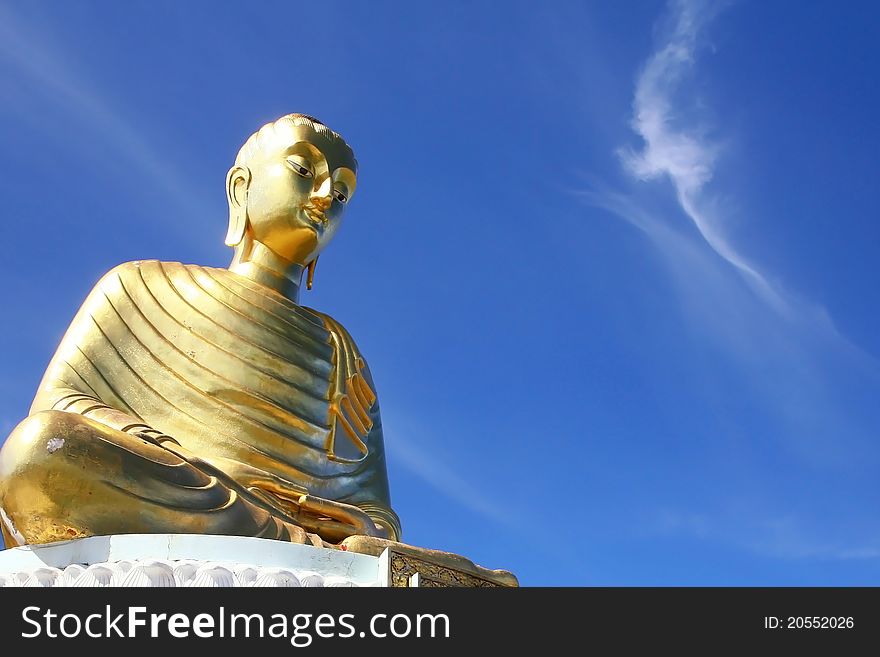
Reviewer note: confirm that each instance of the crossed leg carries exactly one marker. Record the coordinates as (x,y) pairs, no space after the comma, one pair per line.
(65,476)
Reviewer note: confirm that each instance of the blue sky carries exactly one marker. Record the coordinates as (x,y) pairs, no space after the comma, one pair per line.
(614,266)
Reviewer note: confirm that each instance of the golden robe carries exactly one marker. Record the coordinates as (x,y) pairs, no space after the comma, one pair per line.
(273,394)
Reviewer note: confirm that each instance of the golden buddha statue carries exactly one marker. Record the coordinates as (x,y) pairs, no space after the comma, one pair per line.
(189,399)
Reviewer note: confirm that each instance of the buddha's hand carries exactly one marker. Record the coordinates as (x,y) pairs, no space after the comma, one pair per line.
(155,437)
(346,519)
(317,513)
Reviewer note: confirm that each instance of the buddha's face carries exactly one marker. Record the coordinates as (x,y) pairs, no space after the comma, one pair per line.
(297,191)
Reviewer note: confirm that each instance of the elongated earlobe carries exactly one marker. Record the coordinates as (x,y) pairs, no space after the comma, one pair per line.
(237,181)
(311,274)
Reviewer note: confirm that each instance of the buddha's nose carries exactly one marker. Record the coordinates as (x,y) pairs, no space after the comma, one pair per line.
(321,202)
(321,198)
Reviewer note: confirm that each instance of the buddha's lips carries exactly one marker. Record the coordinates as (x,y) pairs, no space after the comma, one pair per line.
(315,216)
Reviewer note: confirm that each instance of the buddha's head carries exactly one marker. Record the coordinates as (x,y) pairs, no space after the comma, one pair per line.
(289,187)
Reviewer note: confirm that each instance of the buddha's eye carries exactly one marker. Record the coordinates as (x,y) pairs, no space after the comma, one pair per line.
(342,198)
(303,171)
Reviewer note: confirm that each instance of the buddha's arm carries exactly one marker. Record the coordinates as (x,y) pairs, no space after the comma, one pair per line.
(70,400)
(301,512)
(63,388)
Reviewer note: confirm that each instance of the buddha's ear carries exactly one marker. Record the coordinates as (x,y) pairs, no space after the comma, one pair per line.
(237,181)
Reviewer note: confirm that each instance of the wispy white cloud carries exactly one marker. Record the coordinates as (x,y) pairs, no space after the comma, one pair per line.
(42,68)
(680,152)
(430,465)
(783,536)
(808,378)
(415,447)
(674,147)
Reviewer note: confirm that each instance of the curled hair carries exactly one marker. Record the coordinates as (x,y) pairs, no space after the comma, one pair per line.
(279,131)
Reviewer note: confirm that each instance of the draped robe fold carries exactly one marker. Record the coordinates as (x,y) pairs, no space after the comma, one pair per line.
(268,391)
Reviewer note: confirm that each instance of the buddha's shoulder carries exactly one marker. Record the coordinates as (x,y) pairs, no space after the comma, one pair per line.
(212,280)
(349,354)
(332,325)
(148,269)
(158,276)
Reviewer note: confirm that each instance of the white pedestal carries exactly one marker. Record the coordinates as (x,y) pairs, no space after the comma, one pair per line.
(170,560)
